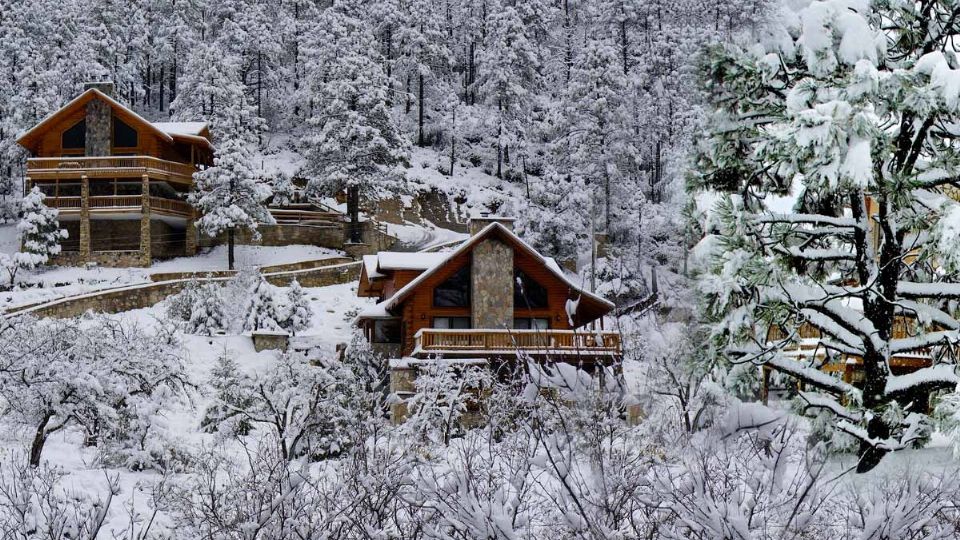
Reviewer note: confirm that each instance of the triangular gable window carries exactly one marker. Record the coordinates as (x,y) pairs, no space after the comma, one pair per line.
(75,138)
(455,291)
(527,293)
(124,136)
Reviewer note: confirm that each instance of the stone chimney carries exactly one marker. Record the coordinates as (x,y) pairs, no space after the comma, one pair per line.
(99,121)
(105,87)
(477,223)
(491,276)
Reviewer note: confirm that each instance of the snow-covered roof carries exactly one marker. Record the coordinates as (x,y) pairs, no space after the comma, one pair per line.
(396,260)
(176,129)
(181,128)
(370,266)
(442,258)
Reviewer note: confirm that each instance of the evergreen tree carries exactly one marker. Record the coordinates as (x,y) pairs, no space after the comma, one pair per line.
(262,310)
(299,313)
(207,310)
(39,232)
(223,415)
(853,121)
(38,229)
(230,195)
(355,140)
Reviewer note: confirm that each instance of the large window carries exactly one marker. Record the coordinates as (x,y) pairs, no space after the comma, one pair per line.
(527,293)
(531,323)
(452,323)
(455,291)
(124,136)
(75,138)
(386,331)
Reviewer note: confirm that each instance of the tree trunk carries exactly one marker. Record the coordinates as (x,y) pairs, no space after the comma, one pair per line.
(420,141)
(163,68)
(453,140)
(230,243)
(39,438)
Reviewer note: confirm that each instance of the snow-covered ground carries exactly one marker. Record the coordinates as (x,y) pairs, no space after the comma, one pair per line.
(333,307)
(50,283)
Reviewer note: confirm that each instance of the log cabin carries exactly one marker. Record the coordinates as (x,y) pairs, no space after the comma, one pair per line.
(118,180)
(488,300)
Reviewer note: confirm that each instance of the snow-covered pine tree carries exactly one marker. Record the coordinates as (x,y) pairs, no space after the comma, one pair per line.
(356,141)
(223,416)
(591,141)
(298,314)
(207,311)
(852,110)
(230,194)
(39,232)
(262,310)
(509,74)
(39,229)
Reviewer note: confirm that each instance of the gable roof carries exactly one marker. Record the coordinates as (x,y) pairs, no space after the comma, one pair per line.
(518,245)
(167,131)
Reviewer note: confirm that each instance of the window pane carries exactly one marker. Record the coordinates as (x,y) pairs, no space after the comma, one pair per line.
(124,136)
(527,293)
(386,332)
(540,324)
(454,292)
(521,324)
(454,323)
(76,136)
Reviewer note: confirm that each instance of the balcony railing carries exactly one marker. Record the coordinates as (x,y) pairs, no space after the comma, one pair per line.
(109,166)
(128,203)
(565,342)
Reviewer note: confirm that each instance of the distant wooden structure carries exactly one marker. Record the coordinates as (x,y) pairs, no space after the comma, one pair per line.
(486,302)
(118,180)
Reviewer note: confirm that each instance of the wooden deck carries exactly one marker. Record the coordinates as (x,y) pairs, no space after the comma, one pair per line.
(71,167)
(430,341)
(107,204)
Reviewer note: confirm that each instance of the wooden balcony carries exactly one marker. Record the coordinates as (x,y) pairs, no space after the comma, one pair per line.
(109,167)
(120,204)
(509,342)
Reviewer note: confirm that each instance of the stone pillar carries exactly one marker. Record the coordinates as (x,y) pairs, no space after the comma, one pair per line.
(491,293)
(84,219)
(145,247)
(99,124)
(191,235)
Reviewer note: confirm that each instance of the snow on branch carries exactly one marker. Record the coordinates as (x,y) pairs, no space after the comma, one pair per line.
(928,290)
(942,376)
(928,314)
(853,343)
(821,401)
(804,218)
(817,254)
(947,337)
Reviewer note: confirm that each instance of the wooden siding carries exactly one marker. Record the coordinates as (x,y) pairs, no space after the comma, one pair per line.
(418,310)
(149,143)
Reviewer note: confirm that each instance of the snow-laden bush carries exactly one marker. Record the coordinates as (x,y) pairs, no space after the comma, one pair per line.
(108,379)
(39,502)
(296,404)
(200,308)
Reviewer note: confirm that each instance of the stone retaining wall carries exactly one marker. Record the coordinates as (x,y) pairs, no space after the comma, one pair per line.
(291,267)
(141,296)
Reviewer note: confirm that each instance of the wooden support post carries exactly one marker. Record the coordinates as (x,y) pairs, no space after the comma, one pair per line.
(145,245)
(84,219)
(190,247)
